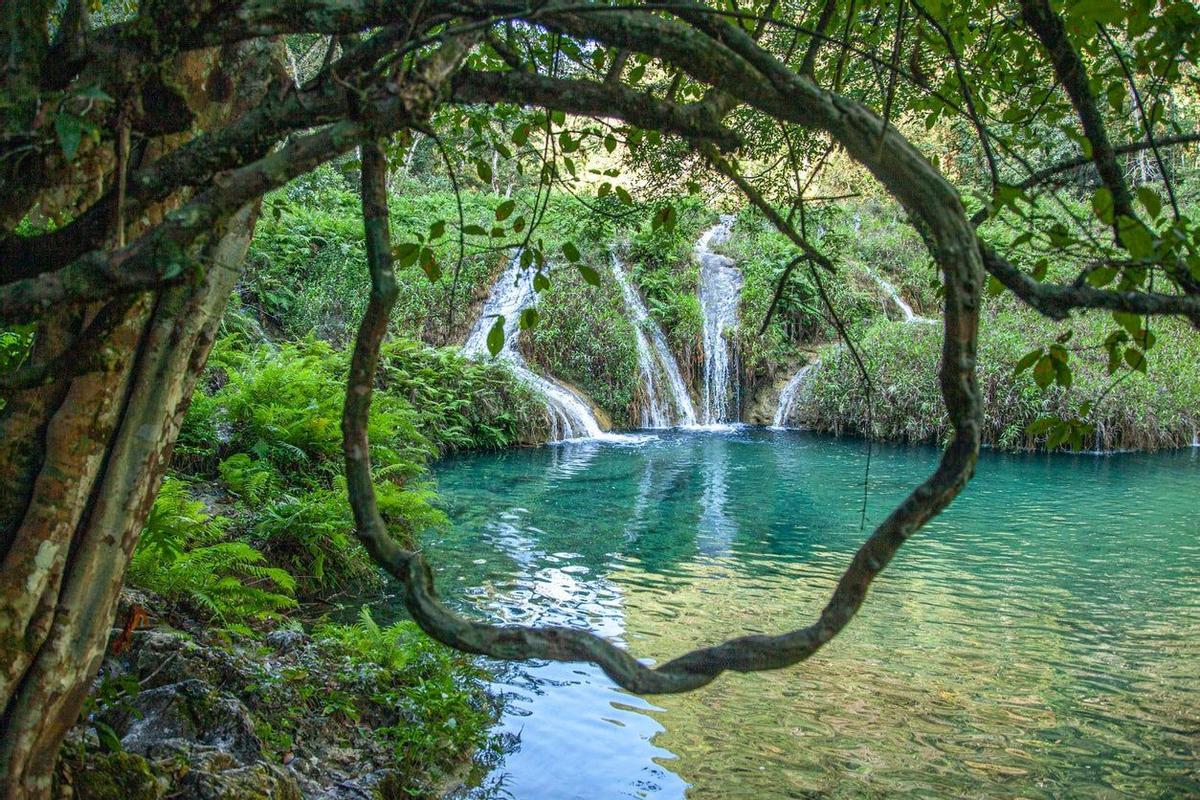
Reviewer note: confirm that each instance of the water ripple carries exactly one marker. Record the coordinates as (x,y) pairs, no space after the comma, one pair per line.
(1041,639)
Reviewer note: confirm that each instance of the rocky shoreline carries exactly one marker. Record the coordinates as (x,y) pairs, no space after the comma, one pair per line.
(183,711)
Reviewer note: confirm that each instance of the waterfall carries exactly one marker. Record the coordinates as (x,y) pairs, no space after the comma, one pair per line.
(669,405)
(720,287)
(570,416)
(894,294)
(787,398)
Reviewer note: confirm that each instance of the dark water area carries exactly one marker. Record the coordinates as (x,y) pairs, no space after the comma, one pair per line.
(1039,639)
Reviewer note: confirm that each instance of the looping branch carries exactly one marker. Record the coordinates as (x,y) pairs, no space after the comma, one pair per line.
(952,242)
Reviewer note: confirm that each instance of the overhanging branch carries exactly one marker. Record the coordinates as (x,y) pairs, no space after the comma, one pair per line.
(1057,301)
(593,99)
(952,242)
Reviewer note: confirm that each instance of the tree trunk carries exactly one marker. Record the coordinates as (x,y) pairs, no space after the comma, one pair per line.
(83,460)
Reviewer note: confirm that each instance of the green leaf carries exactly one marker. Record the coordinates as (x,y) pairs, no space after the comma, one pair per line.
(1114,359)
(1060,434)
(406,254)
(474,230)
(495,337)
(1062,374)
(1116,96)
(590,275)
(429,264)
(1128,321)
(1027,361)
(1102,204)
(1007,195)
(1135,237)
(623,195)
(636,73)
(1150,201)
(1101,276)
(437,229)
(570,251)
(1092,12)
(1044,372)
(529,319)
(1041,425)
(484,169)
(109,740)
(1136,359)
(520,134)
(540,282)
(70,129)
(568,144)
(994,287)
(504,209)
(95,94)
(610,143)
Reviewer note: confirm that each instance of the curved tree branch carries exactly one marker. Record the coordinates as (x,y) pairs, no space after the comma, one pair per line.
(159,257)
(1046,173)
(1072,74)
(1057,301)
(596,99)
(951,240)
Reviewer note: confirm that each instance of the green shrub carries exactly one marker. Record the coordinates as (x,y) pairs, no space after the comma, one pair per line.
(460,403)
(253,480)
(184,556)
(1131,411)
(436,689)
(311,535)
(586,339)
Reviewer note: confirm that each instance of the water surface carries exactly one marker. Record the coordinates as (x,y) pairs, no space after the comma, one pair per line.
(1040,639)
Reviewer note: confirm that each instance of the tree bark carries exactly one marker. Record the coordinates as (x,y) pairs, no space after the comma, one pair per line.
(87,455)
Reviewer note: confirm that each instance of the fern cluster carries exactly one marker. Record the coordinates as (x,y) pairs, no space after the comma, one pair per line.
(434,689)
(265,428)
(185,556)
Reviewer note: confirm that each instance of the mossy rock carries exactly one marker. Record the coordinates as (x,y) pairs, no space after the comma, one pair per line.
(116,776)
(217,776)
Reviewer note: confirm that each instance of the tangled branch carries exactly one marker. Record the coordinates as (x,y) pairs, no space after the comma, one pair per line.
(952,242)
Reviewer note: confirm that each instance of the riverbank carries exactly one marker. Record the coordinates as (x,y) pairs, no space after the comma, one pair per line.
(226,678)
(324,711)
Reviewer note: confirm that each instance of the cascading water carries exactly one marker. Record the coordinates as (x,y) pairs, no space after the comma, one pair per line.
(570,416)
(670,404)
(720,289)
(787,398)
(894,295)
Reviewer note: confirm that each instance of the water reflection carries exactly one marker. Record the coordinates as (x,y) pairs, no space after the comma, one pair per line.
(717,528)
(1040,639)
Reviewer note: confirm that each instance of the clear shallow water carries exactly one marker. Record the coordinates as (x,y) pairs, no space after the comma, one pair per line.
(1040,639)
